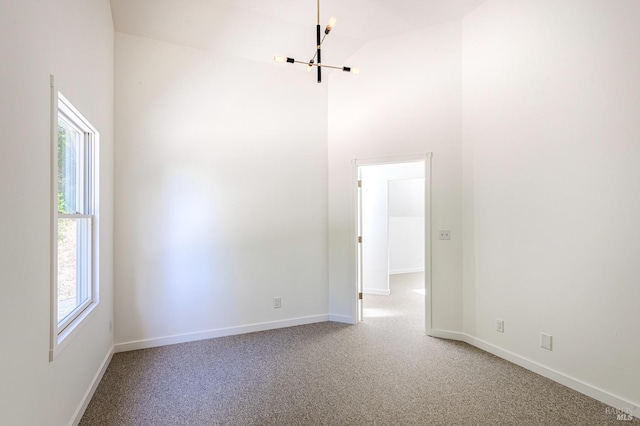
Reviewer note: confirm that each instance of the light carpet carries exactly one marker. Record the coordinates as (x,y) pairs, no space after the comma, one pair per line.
(384,371)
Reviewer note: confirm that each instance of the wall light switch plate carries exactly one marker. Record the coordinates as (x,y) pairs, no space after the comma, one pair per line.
(546,341)
(445,235)
(499,325)
(277,302)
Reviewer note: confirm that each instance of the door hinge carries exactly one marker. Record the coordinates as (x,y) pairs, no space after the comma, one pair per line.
(359,184)
(360,240)
(359,296)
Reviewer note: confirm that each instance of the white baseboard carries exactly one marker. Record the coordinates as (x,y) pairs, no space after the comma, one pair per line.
(584,388)
(342,318)
(405,271)
(77,416)
(376,291)
(446,334)
(221,332)
(568,381)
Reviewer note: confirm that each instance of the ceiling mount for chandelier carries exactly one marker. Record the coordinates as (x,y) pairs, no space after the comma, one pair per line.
(316,61)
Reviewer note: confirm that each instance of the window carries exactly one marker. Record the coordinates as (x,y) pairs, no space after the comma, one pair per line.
(75,284)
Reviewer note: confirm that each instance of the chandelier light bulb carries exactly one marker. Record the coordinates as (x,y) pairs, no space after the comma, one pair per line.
(355,70)
(330,25)
(279,59)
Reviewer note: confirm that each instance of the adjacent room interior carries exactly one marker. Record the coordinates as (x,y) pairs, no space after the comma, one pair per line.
(225,192)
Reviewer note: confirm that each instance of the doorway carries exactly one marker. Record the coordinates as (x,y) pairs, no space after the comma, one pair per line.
(393,245)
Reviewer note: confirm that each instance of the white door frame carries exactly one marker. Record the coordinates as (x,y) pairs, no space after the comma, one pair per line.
(355,164)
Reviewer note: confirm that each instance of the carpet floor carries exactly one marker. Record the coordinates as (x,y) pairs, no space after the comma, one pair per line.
(384,371)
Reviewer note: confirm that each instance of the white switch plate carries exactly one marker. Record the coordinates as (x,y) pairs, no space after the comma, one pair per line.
(445,235)
(277,302)
(546,341)
(500,325)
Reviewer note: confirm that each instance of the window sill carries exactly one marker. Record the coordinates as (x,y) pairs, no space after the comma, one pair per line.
(63,339)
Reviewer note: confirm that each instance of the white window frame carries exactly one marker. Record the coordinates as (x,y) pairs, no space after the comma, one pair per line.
(62,332)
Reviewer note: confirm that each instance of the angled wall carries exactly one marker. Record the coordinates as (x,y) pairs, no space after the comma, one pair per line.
(551,100)
(406,226)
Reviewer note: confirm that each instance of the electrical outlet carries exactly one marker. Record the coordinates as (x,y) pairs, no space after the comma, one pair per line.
(500,325)
(445,235)
(277,302)
(546,341)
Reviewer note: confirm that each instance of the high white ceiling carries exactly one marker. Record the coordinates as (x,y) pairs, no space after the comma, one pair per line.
(259,29)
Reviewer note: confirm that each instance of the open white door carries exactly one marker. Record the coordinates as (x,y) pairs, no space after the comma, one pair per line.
(372,262)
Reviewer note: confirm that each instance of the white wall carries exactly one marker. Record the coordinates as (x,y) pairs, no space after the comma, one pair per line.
(375,221)
(406,226)
(222,192)
(406,244)
(552,184)
(406,101)
(406,197)
(73,40)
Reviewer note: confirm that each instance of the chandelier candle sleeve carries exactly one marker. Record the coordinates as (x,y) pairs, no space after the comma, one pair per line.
(351,70)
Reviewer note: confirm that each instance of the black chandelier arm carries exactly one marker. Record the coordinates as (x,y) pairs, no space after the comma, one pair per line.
(345,69)
(313,64)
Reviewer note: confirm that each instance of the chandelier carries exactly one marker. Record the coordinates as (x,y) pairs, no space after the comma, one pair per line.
(318,54)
